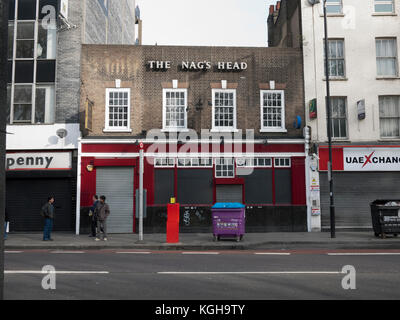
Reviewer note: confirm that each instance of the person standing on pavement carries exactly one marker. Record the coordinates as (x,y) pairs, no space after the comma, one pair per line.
(93,216)
(103,211)
(6,224)
(48,212)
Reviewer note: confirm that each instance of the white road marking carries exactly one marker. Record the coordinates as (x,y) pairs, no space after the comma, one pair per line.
(134,252)
(56,272)
(13,251)
(273,253)
(68,252)
(363,254)
(252,272)
(200,253)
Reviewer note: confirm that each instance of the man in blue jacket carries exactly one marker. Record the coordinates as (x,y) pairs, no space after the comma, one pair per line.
(93,216)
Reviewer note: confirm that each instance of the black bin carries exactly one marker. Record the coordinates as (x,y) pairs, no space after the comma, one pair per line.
(385,216)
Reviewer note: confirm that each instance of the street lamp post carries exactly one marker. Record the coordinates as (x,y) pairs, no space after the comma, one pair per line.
(329,124)
(3,117)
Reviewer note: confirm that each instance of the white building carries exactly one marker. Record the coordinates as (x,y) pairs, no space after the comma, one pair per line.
(364,42)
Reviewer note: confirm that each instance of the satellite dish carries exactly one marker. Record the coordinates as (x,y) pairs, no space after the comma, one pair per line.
(62,133)
(312,2)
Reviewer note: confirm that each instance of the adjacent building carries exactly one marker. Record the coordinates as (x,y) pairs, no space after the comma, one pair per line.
(363,39)
(45,38)
(216,124)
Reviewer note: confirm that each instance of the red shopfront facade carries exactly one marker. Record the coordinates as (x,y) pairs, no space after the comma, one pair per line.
(270,181)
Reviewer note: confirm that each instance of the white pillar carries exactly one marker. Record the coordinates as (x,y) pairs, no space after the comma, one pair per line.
(78,188)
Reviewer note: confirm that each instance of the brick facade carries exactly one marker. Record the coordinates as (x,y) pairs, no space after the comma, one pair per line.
(102,65)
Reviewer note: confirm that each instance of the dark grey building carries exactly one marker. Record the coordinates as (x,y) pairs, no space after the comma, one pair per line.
(45,39)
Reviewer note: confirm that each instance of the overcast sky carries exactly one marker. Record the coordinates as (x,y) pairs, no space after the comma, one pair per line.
(205,22)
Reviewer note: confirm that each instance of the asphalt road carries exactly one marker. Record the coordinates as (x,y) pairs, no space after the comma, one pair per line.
(229,275)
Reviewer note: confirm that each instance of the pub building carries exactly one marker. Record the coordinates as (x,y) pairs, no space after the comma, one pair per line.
(216,124)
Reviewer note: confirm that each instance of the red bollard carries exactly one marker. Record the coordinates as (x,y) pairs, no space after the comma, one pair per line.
(173,223)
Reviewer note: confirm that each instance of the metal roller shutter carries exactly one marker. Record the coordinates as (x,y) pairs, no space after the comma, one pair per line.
(229,193)
(116,184)
(353,192)
(25,198)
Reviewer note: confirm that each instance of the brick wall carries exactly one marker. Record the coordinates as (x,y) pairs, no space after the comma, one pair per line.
(101,65)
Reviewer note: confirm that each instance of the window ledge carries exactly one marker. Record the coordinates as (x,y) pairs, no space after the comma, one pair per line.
(389,139)
(377,14)
(335,79)
(117,130)
(388,78)
(223,130)
(175,130)
(273,130)
(338,140)
(333,15)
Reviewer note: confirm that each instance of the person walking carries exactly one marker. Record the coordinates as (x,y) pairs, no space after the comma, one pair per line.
(48,213)
(102,211)
(93,216)
(6,224)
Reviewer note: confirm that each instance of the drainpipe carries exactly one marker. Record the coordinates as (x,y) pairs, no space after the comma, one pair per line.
(78,187)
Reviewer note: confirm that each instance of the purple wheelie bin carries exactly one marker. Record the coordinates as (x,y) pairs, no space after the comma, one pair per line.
(228,220)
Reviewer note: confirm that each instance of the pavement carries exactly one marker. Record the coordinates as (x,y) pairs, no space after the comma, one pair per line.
(204,241)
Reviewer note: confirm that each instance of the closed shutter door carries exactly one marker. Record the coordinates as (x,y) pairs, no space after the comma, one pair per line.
(25,198)
(353,193)
(229,193)
(116,184)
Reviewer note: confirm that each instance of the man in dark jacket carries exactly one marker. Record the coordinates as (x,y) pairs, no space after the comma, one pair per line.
(103,211)
(48,213)
(93,215)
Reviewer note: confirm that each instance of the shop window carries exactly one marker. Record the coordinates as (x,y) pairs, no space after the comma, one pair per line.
(195,186)
(224,110)
(384,6)
(163,185)
(338,117)
(282,163)
(283,186)
(195,163)
(273,111)
(389,115)
(174,109)
(333,6)
(255,194)
(164,162)
(254,163)
(336,61)
(224,168)
(117,110)
(45,104)
(386,57)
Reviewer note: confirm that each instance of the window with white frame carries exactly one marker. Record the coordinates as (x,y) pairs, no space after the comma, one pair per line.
(389,116)
(175,109)
(272,110)
(117,110)
(254,162)
(195,163)
(338,117)
(333,6)
(164,162)
(224,109)
(224,168)
(336,62)
(384,6)
(282,163)
(386,57)
(32,46)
